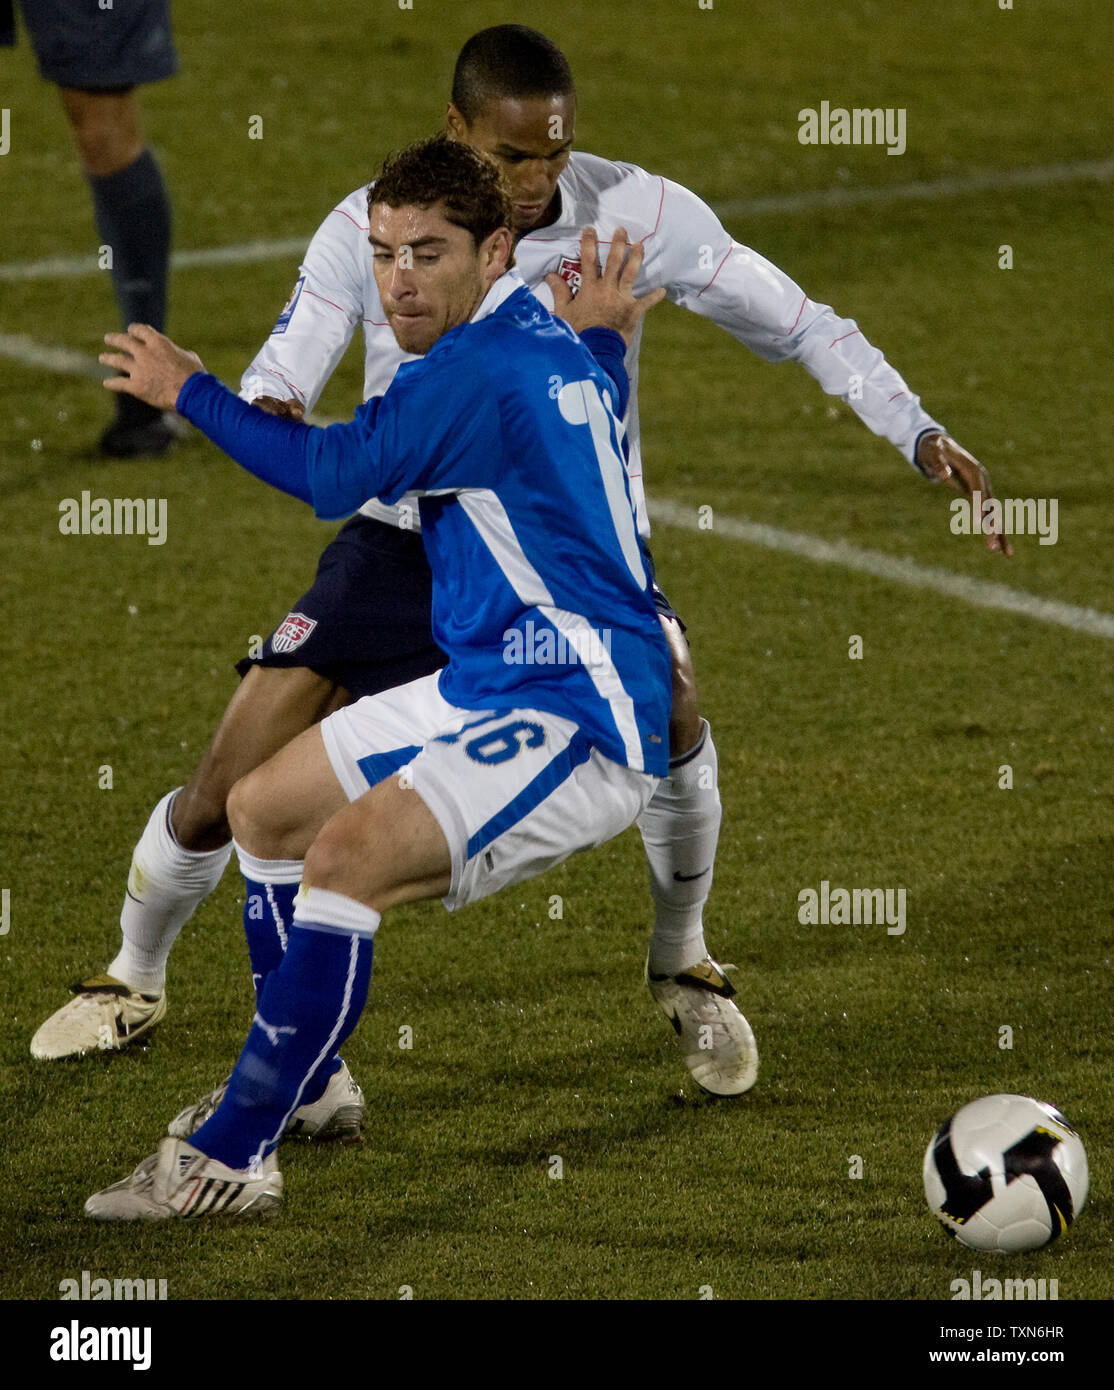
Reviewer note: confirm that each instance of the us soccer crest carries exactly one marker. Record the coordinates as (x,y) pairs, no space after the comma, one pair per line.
(292,632)
(569,271)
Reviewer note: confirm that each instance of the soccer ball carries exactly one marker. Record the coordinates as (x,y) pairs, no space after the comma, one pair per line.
(1006,1173)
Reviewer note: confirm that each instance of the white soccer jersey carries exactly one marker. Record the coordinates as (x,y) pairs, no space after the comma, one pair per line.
(687,251)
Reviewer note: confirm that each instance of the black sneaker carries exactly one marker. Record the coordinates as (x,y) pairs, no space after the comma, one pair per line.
(151,438)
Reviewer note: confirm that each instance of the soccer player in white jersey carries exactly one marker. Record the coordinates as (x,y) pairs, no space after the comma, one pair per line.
(363,626)
(505,767)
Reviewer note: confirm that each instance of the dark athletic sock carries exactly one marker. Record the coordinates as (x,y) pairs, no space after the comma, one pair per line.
(132,211)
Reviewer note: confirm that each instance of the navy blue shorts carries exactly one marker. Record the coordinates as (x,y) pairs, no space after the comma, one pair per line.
(661,603)
(364,623)
(78,44)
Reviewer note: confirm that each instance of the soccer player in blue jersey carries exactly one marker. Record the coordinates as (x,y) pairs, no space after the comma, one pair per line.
(363,625)
(500,766)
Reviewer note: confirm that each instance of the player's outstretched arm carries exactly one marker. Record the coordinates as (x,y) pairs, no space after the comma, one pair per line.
(762,307)
(606,295)
(150,365)
(382,452)
(943,460)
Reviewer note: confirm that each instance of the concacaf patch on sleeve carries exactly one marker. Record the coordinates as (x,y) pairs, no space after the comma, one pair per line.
(569,271)
(288,309)
(291,632)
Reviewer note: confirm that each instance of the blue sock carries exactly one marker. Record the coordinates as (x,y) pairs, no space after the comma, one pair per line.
(272,885)
(308,1006)
(268,917)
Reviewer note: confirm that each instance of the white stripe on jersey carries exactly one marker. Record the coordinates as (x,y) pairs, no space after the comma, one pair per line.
(488,515)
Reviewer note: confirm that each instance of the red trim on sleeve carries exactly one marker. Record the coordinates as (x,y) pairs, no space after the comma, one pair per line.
(800,311)
(323,300)
(896,394)
(661,204)
(288,384)
(719,267)
(351,219)
(845,335)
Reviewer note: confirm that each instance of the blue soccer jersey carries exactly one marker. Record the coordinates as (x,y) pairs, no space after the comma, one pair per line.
(507,430)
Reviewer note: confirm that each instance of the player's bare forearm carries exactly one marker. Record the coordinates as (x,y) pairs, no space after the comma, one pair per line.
(150,365)
(943,460)
(288,410)
(606,295)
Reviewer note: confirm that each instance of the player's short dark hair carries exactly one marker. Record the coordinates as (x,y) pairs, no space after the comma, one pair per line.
(508,60)
(440,170)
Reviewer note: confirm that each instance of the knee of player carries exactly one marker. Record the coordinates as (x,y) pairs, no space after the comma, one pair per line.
(337,862)
(248,818)
(199,817)
(106,138)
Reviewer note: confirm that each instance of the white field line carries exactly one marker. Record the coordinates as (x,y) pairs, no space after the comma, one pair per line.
(66,267)
(20,348)
(982,593)
(952,186)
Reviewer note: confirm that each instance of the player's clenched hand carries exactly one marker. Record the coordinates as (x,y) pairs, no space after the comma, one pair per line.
(150,365)
(288,410)
(606,295)
(943,460)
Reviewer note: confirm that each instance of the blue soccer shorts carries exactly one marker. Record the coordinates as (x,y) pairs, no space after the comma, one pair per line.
(79,44)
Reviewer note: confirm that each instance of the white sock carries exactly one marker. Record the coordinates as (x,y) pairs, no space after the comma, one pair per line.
(165,885)
(680,830)
(321,909)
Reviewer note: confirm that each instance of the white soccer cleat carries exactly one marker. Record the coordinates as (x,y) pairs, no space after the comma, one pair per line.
(180,1180)
(338,1114)
(715,1038)
(106,1016)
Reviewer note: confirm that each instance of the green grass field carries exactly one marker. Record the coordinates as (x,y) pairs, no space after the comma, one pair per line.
(535,1037)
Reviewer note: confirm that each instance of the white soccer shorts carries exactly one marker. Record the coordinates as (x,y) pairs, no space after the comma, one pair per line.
(514,792)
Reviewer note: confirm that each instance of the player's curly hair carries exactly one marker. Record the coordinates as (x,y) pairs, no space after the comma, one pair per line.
(441,170)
